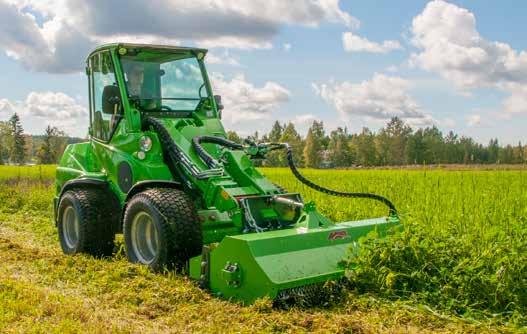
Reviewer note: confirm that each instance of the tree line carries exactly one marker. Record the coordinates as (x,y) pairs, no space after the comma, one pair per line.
(394,144)
(18,148)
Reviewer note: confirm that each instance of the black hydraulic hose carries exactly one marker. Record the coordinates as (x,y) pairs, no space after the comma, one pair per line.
(204,155)
(172,154)
(211,162)
(301,178)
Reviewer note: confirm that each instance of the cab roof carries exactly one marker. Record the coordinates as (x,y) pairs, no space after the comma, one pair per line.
(176,49)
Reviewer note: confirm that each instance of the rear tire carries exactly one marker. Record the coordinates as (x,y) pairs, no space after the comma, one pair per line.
(161,229)
(85,223)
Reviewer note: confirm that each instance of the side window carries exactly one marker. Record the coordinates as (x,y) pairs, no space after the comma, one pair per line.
(106,108)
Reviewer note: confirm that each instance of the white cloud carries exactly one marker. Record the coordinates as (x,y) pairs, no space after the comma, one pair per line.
(354,43)
(243,101)
(71,28)
(55,108)
(58,46)
(450,45)
(380,98)
(473,120)
(392,68)
(6,106)
(223,59)
(448,122)
(305,119)
(287,47)
(516,103)
(53,105)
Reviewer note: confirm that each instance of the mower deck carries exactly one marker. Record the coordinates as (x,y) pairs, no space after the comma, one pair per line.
(249,266)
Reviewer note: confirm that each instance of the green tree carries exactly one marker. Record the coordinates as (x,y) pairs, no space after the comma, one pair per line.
(17,149)
(392,142)
(340,151)
(433,145)
(415,148)
(453,152)
(506,155)
(314,145)
(291,136)
(273,158)
(233,136)
(365,148)
(52,145)
(519,154)
(494,150)
(467,145)
(5,141)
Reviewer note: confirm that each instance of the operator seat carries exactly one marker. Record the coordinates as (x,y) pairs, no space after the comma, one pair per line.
(111,105)
(98,126)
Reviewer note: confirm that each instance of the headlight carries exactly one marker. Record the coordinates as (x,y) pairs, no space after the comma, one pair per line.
(145,143)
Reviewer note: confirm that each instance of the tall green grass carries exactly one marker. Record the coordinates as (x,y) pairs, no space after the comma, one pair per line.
(464,244)
(463,250)
(38,172)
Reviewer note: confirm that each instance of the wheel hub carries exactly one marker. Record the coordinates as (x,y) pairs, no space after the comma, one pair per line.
(145,238)
(70,227)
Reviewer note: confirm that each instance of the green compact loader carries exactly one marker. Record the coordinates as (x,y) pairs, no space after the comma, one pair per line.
(158,167)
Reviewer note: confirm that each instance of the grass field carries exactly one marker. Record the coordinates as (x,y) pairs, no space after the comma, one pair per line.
(460,265)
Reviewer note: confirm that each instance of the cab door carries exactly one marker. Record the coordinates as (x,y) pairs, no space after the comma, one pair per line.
(106,115)
(105,99)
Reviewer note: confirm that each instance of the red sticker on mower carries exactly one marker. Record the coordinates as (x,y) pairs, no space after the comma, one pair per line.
(338,235)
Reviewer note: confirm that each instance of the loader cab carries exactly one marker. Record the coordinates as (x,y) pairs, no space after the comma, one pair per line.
(130,81)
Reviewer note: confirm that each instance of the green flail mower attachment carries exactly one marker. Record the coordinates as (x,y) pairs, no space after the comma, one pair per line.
(276,263)
(292,264)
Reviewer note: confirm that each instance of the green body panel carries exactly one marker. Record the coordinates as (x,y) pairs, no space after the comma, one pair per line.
(306,248)
(283,259)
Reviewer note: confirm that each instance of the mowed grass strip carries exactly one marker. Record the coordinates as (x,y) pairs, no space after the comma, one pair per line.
(42,290)
(45,291)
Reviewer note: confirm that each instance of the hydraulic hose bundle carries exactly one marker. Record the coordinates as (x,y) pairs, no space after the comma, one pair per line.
(206,157)
(211,162)
(176,159)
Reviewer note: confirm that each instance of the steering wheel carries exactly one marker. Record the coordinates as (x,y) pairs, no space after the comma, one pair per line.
(166,108)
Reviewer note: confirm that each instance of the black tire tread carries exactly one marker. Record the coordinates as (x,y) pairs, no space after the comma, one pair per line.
(180,225)
(95,219)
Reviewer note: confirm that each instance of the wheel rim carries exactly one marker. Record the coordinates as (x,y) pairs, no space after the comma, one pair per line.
(145,238)
(70,227)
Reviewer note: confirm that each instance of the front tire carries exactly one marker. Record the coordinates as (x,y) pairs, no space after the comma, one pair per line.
(84,223)
(161,229)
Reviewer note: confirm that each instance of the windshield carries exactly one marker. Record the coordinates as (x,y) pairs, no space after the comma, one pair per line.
(164,81)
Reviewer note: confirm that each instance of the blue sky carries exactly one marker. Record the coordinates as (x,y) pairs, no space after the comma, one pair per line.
(459,65)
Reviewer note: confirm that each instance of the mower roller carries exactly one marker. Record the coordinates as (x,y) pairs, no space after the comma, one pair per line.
(159,169)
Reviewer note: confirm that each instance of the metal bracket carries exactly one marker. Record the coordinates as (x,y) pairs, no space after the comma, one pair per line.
(204,277)
(231,274)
